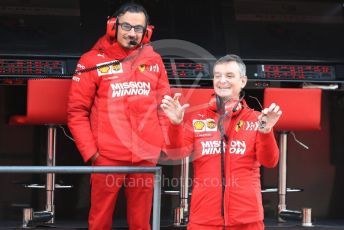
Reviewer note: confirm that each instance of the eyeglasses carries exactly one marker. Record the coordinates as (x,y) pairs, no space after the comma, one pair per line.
(127,27)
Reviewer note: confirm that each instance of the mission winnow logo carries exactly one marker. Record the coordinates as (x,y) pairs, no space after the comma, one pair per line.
(130,88)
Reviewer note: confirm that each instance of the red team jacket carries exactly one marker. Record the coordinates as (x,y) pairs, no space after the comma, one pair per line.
(114,109)
(246,151)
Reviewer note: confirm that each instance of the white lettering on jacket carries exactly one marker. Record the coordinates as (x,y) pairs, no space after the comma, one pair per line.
(79,67)
(211,147)
(154,68)
(130,88)
(75,78)
(251,125)
(237,147)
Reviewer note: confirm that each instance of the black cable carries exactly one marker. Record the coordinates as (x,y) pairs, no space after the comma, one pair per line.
(224,138)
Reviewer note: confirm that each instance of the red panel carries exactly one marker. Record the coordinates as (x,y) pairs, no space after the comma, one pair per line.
(301,108)
(197,98)
(46,102)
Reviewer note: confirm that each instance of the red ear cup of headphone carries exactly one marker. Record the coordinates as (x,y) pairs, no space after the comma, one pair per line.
(212,103)
(111,27)
(148,34)
(111,30)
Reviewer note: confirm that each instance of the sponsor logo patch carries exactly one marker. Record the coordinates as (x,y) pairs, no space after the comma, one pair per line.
(117,67)
(251,125)
(237,147)
(130,88)
(212,147)
(239,125)
(142,67)
(75,78)
(103,69)
(154,68)
(211,124)
(204,125)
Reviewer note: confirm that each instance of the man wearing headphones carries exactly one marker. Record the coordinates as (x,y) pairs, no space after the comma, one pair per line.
(226,190)
(115,118)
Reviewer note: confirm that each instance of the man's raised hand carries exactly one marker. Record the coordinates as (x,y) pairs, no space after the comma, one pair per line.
(173,109)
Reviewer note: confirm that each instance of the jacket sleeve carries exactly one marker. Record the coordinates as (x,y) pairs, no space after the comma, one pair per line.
(266,149)
(81,98)
(163,88)
(180,141)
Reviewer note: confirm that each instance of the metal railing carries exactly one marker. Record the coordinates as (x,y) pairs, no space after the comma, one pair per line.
(100,169)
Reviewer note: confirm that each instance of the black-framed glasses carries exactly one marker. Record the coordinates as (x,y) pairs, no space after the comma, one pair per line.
(127,27)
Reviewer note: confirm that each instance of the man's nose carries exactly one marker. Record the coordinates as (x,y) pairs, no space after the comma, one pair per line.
(132,32)
(223,79)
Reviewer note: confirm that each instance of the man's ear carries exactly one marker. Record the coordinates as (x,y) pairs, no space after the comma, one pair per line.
(243,81)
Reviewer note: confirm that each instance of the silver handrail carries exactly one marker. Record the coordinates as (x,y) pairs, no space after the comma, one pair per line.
(100,169)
